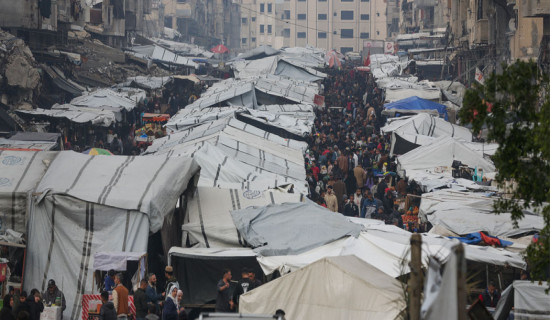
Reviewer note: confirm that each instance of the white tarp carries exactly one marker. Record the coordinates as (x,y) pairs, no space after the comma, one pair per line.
(166,56)
(29,144)
(291,228)
(117,261)
(20,172)
(208,222)
(184,48)
(333,288)
(88,204)
(388,249)
(105,98)
(441,154)
(399,94)
(426,125)
(383,65)
(467,212)
(528,300)
(95,116)
(293,125)
(297,111)
(149,83)
(440,294)
(275,65)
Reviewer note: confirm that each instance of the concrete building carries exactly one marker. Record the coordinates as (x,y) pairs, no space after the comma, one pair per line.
(262,23)
(343,25)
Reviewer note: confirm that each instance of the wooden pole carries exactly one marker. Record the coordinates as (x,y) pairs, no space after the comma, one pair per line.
(416,280)
(461,282)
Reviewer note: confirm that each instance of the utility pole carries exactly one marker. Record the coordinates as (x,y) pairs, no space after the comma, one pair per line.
(416,280)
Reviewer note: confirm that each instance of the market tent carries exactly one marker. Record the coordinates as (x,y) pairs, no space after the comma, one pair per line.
(186,49)
(469,212)
(117,261)
(31,141)
(88,204)
(257,53)
(208,222)
(147,82)
(20,172)
(344,287)
(426,125)
(202,269)
(291,228)
(441,154)
(415,104)
(527,300)
(105,97)
(275,65)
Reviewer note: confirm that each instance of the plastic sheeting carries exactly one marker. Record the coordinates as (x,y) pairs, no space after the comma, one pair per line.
(105,98)
(258,53)
(426,125)
(117,261)
(208,223)
(301,227)
(530,301)
(440,296)
(414,104)
(333,288)
(74,114)
(20,172)
(442,153)
(149,83)
(464,213)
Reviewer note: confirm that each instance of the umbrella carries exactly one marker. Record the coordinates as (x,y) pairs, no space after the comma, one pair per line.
(97,152)
(220,49)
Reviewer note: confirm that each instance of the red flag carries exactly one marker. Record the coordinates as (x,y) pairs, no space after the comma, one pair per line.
(366,63)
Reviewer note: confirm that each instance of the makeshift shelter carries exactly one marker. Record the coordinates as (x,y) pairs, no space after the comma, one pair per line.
(86,204)
(441,154)
(21,171)
(344,287)
(526,299)
(259,52)
(102,98)
(467,212)
(32,141)
(306,226)
(276,65)
(100,117)
(414,105)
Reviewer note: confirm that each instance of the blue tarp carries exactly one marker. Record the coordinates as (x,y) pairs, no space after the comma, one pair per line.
(416,103)
(478,237)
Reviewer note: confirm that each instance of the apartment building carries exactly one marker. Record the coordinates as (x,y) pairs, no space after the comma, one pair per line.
(343,25)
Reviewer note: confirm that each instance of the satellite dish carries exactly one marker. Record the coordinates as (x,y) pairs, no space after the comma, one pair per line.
(512,25)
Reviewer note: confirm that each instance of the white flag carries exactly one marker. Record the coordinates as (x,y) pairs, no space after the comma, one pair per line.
(479,76)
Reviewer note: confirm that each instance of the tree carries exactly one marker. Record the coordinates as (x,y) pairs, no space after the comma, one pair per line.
(515,108)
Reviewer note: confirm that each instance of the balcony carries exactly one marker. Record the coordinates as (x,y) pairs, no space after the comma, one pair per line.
(481,34)
(535,8)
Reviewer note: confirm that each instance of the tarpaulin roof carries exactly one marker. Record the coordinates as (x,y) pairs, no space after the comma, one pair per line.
(74,114)
(415,104)
(527,299)
(20,172)
(105,98)
(344,287)
(184,48)
(302,226)
(117,261)
(426,125)
(257,53)
(468,212)
(148,83)
(63,82)
(208,223)
(442,153)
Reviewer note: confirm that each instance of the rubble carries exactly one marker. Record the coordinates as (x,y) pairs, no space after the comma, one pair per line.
(20,77)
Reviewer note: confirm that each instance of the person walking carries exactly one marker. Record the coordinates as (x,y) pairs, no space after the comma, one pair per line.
(120,298)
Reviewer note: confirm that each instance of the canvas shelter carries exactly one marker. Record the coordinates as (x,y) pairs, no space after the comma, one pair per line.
(344,287)
(525,299)
(276,65)
(88,204)
(32,141)
(103,117)
(467,212)
(441,154)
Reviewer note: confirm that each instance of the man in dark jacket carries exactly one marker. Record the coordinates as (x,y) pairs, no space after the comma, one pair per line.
(52,294)
(243,286)
(107,311)
(23,304)
(140,300)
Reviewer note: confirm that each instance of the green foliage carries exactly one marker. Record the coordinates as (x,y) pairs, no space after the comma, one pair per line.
(519,121)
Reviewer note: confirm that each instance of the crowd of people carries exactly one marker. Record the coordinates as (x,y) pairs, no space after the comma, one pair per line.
(18,305)
(348,166)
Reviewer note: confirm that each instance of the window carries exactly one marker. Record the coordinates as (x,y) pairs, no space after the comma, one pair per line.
(244,20)
(365,17)
(346,15)
(322,0)
(301,35)
(301,16)
(364,0)
(346,33)
(253,19)
(269,7)
(364,35)
(301,0)
(262,7)
(479,9)
(286,33)
(262,28)
(269,29)
(322,16)
(322,35)
(347,0)
(182,1)
(253,39)
(168,22)
(286,15)
(244,40)
(378,14)
(345,50)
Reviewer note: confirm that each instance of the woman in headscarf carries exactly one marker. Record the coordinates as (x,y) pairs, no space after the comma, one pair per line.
(170,310)
(182,315)
(6,313)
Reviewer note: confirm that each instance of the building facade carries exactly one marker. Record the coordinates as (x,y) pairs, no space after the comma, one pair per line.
(343,25)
